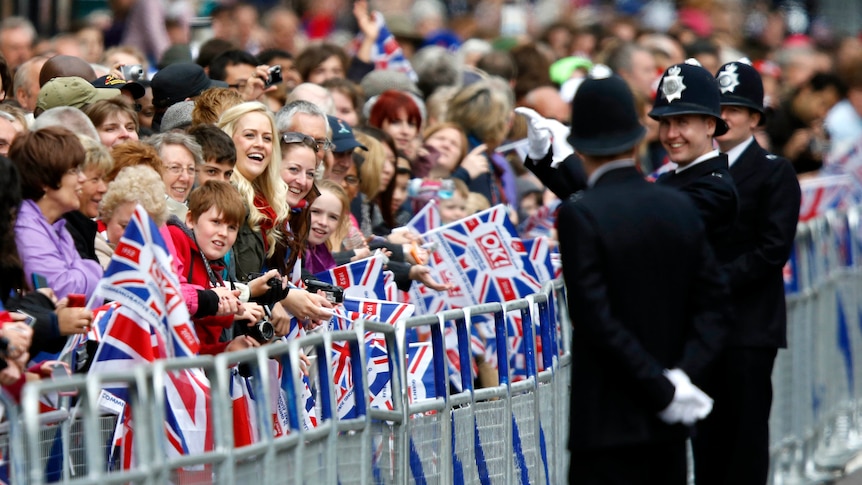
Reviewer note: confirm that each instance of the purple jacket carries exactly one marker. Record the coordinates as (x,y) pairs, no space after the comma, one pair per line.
(49,250)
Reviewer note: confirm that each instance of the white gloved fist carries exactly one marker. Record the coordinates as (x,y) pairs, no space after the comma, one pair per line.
(689,403)
(538,133)
(544,133)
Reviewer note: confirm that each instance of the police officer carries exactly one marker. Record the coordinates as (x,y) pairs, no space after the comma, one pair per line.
(633,349)
(731,446)
(689,115)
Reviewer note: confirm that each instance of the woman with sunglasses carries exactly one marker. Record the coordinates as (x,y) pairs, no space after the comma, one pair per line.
(262,242)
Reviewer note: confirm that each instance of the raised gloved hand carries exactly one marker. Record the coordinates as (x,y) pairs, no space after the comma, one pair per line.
(689,403)
(544,133)
(538,133)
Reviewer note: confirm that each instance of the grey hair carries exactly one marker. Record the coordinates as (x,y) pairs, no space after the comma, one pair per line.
(313,93)
(284,117)
(67,117)
(160,140)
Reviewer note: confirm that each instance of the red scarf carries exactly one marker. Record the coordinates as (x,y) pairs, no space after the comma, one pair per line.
(268,221)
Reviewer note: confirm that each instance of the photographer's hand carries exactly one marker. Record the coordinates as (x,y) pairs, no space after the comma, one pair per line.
(259,286)
(241,342)
(251,312)
(228,302)
(307,306)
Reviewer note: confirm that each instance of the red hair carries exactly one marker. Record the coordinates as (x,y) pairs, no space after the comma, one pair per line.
(389,107)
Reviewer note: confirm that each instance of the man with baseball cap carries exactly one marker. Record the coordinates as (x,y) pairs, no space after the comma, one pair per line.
(179,82)
(343,144)
(732,445)
(689,115)
(633,348)
(72,91)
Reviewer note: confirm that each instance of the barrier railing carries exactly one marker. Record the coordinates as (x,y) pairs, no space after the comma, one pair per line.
(815,416)
(513,432)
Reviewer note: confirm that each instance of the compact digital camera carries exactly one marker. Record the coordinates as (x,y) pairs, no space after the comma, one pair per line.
(333,293)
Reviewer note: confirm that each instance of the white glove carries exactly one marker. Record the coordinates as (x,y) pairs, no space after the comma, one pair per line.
(544,133)
(538,133)
(689,403)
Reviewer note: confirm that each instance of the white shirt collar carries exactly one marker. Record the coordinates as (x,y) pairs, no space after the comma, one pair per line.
(734,153)
(705,156)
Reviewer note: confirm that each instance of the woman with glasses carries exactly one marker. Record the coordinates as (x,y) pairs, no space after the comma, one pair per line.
(181,154)
(49,161)
(262,243)
(81,223)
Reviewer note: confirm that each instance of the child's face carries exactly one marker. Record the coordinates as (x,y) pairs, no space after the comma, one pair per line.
(211,170)
(530,205)
(399,194)
(453,208)
(213,235)
(325,215)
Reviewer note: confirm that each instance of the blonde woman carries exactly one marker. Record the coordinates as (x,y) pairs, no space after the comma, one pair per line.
(261,244)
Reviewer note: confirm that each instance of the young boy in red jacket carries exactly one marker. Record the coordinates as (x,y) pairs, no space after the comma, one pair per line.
(216,211)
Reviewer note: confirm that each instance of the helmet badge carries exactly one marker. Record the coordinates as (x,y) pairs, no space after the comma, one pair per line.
(672,87)
(728,79)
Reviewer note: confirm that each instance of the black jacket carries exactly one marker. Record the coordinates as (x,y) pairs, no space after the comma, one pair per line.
(645,294)
(756,250)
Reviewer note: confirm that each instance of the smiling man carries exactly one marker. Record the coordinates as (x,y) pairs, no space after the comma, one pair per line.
(732,445)
(689,114)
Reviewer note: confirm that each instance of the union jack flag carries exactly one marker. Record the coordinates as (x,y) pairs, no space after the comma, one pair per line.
(360,279)
(420,371)
(821,194)
(426,219)
(377,355)
(151,322)
(386,53)
(540,224)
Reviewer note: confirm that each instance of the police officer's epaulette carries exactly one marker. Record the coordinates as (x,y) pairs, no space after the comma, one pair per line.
(717,174)
(576,196)
(770,156)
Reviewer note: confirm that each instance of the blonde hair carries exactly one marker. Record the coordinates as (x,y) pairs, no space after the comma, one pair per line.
(343,227)
(269,184)
(372,167)
(137,183)
(483,109)
(97,156)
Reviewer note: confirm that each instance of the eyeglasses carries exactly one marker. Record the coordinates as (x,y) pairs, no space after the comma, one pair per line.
(179,169)
(351,180)
(324,144)
(296,137)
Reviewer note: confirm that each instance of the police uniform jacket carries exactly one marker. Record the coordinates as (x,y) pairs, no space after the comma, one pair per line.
(710,187)
(645,294)
(756,250)
(568,178)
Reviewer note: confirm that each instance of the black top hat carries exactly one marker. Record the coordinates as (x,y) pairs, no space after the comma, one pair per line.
(741,85)
(688,89)
(604,118)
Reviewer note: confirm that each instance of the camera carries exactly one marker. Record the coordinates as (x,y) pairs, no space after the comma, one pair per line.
(262,331)
(133,72)
(274,76)
(333,293)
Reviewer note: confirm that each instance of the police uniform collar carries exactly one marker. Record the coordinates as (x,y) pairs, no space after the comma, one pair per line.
(702,158)
(734,153)
(607,167)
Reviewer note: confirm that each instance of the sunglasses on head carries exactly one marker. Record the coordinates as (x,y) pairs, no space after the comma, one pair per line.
(292,137)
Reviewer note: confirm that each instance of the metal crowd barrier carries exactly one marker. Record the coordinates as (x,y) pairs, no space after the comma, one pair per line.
(817,381)
(515,432)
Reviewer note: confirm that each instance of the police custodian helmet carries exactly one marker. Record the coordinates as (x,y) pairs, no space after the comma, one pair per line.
(604,118)
(740,85)
(688,89)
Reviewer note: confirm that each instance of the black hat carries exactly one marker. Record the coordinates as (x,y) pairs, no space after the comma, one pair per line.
(179,81)
(604,118)
(136,90)
(688,89)
(741,85)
